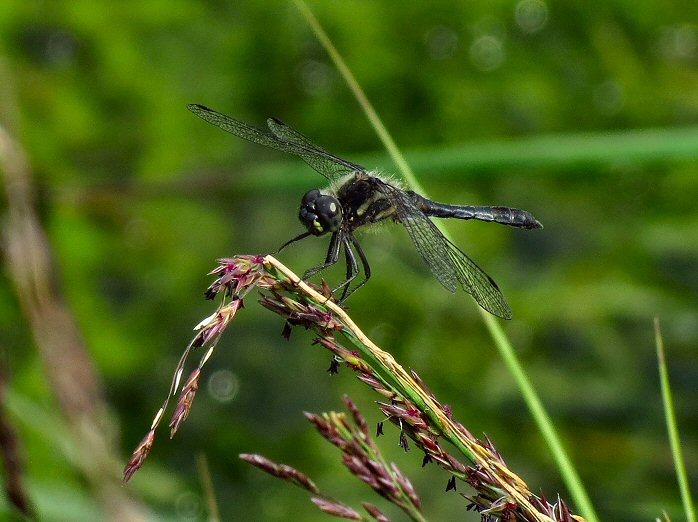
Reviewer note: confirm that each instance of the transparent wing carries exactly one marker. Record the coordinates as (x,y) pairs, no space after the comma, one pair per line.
(284,138)
(327,164)
(477,283)
(445,260)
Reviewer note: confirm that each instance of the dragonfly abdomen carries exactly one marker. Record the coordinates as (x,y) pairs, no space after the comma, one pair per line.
(514,217)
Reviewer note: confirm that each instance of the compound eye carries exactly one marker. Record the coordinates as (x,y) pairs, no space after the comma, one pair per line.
(329,213)
(320,213)
(310,197)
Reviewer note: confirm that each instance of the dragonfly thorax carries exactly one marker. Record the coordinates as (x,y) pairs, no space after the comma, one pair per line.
(320,213)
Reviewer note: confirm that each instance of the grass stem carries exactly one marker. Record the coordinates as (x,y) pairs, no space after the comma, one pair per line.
(672,428)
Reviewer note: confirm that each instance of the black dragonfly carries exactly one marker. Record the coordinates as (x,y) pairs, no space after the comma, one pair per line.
(357,197)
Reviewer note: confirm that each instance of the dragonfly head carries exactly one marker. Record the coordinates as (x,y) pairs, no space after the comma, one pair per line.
(320,213)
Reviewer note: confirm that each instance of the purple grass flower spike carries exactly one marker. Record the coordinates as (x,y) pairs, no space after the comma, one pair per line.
(139,455)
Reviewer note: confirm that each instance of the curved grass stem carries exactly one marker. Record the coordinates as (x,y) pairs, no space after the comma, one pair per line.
(535,405)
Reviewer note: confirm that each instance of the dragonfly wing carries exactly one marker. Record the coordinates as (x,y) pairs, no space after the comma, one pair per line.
(241,129)
(284,138)
(331,166)
(445,260)
(477,283)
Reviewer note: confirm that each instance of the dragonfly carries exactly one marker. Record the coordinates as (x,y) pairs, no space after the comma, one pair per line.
(357,197)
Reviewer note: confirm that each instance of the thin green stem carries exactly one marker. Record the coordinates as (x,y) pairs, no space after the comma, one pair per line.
(534,403)
(214,514)
(381,362)
(542,419)
(672,429)
(360,96)
(390,379)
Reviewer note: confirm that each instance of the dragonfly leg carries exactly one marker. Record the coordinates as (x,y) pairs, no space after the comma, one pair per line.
(297,238)
(352,270)
(331,259)
(364,264)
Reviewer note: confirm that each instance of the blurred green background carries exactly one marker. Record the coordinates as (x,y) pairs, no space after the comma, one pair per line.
(584,114)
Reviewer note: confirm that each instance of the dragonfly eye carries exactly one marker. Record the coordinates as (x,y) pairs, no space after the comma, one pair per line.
(320,213)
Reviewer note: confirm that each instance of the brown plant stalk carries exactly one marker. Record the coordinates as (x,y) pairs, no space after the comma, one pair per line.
(487,461)
(73,380)
(501,494)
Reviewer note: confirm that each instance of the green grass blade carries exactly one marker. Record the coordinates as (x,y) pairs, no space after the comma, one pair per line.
(636,146)
(567,470)
(545,424)
(672,429)
(360,95)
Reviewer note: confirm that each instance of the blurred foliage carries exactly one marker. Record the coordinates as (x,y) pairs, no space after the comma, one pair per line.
(140,197)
